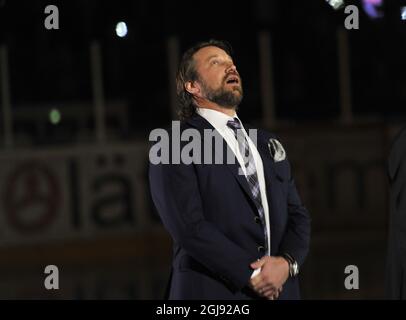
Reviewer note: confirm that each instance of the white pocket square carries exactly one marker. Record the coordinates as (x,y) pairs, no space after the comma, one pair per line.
(276,150)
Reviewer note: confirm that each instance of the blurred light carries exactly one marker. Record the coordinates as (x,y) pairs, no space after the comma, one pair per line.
(55,116)
(403,13)
(121,29)
(371,8)
(336,4)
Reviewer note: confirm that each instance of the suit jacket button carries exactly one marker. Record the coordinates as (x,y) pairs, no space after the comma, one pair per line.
(261,249)
(257,219)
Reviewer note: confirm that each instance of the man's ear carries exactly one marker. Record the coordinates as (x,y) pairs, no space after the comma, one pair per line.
(193,88)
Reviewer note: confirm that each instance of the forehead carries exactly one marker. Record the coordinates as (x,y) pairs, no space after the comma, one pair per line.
(207,52)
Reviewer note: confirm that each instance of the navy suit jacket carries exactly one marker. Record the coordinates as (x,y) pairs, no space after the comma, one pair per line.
(209,211)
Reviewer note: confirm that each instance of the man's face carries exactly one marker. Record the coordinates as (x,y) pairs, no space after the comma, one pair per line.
(218,77)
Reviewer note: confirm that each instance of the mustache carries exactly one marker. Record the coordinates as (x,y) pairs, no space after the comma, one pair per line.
(232,73)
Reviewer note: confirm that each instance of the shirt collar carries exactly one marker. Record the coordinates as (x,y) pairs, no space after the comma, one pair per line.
(216,118)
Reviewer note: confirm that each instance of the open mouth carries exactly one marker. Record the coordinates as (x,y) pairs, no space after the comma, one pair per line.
(233,80)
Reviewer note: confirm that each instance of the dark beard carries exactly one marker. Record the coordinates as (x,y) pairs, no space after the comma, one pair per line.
(223,97)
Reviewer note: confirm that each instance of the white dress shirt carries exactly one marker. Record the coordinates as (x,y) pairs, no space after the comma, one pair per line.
(219,121)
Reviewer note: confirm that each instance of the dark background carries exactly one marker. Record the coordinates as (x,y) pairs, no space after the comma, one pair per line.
(50,69)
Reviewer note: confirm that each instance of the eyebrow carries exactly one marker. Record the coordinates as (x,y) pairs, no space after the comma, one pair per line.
(216,56)
(212,56)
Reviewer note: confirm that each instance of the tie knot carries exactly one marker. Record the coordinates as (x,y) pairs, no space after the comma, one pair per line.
(234,124)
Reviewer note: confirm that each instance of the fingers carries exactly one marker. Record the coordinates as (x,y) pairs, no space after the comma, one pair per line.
(268,282)
(256,281)
(259,263)
(265,288)
(270,292)
(260,282)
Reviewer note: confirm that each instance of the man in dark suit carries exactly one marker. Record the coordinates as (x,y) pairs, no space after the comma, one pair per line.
(239,228)
(395,284)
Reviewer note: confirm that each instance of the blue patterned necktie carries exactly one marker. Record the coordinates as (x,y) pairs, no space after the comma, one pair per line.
(251,172)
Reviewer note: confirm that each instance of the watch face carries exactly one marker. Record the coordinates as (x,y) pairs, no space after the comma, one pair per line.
(295,268)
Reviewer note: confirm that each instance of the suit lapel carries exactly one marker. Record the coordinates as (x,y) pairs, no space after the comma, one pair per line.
(235,170)
(201,123)
(269,169)
(267,162)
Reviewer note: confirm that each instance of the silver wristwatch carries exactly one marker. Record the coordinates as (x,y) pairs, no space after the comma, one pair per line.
(293,265)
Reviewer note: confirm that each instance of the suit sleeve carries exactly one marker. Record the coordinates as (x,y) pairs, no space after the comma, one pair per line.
(296,240)
(175,192)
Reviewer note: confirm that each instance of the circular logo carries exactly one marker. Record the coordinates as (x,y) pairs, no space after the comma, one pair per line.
(32,197)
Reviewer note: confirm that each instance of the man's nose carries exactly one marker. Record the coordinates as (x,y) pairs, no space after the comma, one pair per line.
(231,68)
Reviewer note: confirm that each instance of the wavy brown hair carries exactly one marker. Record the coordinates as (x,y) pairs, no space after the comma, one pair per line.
(187,72)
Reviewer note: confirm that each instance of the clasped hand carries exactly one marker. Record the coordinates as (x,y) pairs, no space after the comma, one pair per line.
(274,273)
